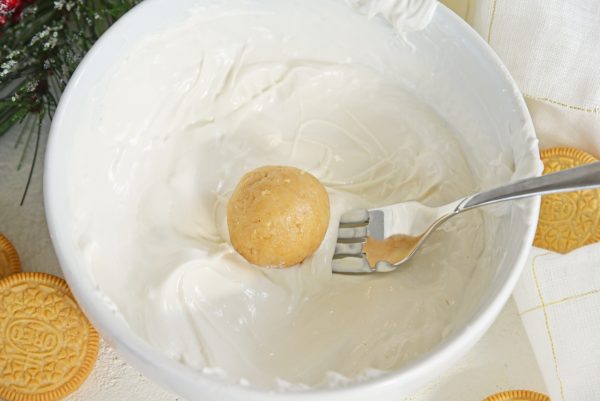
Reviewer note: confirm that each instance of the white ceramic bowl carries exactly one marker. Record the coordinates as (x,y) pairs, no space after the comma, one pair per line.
(488,112)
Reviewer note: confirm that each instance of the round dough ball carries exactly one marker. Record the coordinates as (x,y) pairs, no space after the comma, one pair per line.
(277,216)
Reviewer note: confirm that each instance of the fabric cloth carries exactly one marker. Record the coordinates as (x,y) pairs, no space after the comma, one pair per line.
(552,49)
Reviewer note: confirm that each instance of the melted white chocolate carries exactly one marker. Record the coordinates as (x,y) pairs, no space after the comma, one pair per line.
(175,125)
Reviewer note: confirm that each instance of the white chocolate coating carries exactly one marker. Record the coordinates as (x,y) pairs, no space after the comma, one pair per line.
(174,126)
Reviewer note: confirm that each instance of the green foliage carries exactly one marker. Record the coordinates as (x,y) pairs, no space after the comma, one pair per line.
(40,49)
(41,44)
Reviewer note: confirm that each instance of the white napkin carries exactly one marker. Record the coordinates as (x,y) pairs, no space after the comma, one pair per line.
(558,298)
(552,49)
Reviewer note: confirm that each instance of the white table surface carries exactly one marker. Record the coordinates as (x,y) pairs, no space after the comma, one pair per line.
(502,360)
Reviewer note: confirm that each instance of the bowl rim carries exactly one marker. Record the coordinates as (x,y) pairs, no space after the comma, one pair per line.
(142,356)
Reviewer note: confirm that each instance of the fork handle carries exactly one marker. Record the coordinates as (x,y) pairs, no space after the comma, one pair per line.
(583,177)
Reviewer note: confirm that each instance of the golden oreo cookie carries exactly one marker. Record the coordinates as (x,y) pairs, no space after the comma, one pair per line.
(518,395)
(9,258)
(567,220)
(47,346)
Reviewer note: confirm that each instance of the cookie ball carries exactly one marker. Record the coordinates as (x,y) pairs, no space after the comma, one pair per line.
(277,216)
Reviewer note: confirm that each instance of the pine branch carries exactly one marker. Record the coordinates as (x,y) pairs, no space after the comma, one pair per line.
(41,44)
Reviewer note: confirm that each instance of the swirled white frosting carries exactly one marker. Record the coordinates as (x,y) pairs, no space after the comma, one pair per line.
(403,15)
(173,127)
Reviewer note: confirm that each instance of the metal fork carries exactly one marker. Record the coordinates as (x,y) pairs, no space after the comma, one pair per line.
(384,238)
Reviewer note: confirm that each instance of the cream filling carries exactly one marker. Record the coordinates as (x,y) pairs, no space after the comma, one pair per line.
(174,126)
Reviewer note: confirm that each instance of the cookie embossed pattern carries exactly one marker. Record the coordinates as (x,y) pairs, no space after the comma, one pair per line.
(568,220)
(47,346)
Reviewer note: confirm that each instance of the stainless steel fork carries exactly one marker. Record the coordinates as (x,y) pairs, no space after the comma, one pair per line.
(382,239)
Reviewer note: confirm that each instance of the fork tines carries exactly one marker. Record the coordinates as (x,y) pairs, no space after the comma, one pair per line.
(352,235)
